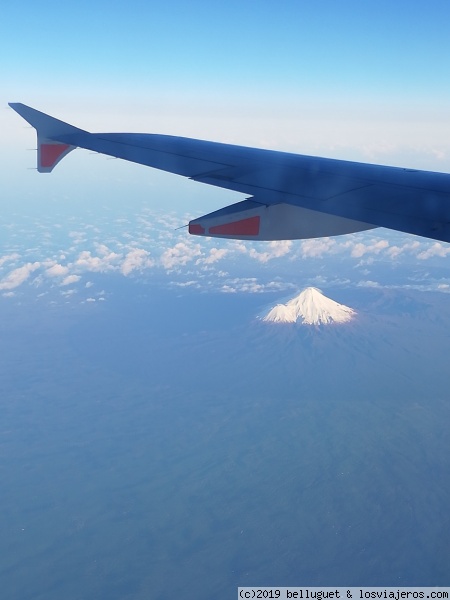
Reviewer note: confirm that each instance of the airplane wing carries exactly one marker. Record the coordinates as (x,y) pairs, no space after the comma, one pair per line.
(289,196)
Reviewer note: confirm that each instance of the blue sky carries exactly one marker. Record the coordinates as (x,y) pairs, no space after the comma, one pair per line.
(371,63)
(380,48)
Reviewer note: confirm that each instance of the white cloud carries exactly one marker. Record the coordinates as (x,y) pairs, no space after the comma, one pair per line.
(78,237)
(238,246)
(9,258)
(275,249)
(373,248)
(97,264)
(316,247)
(244,284)
(436,249)
(18,276)
(102,249)
(180,255)
(70,279)
(56,270)
(136,259)
(395,251)
(368,283)
(251,285)
(215,254)
(185,283)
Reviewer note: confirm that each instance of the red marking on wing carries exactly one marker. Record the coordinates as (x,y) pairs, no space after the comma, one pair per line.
(196,229)
(245,227)
(51,152)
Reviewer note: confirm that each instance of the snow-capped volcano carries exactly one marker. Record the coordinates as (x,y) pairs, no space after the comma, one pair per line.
(310,307)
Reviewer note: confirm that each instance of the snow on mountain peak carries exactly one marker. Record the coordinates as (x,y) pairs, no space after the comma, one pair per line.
(310,307)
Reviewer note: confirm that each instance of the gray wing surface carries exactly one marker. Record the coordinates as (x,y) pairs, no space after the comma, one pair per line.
(289,196)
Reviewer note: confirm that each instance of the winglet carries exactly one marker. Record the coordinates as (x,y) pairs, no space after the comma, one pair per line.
(50,136)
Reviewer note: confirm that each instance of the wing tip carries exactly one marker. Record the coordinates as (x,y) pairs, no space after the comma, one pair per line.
(51,150)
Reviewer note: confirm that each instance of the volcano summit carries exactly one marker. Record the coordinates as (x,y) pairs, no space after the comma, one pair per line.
(310,307)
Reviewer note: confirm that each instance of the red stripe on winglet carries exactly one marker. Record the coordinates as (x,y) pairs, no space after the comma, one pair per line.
(51,152)
(245,227)
(196,229)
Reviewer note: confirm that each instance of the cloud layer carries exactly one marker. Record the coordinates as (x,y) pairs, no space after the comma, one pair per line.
(146,245)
